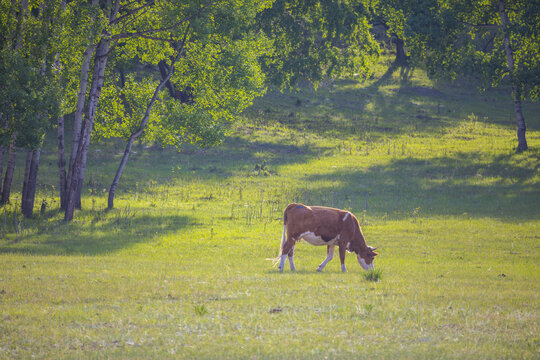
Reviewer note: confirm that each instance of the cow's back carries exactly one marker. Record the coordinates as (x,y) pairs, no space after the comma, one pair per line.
(322,221)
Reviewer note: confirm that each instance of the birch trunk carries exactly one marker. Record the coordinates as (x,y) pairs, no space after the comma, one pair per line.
(132,138)
(79,112)
(98,74)
(79,163)
(119,172)
(142,126)
(516,88)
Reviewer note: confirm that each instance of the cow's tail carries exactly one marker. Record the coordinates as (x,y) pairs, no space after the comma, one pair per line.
(276,260)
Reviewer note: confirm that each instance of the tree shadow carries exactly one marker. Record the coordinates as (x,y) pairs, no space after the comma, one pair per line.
(440,186)
(349,109)
(240,154)
(385,78)
(94,236)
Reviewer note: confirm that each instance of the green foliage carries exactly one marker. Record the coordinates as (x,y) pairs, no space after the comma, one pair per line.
(122,108)
(218,66)
(416,22)
(471,43)
(317,39)
(186,124)
(29,100)
(145,34)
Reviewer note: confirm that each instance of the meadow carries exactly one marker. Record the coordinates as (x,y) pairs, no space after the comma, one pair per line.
(179,270)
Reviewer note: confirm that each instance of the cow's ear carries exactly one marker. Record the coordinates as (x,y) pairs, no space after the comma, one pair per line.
(374,254)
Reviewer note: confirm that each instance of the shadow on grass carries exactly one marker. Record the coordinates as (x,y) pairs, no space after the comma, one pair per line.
(352,109)
(92,236)
(239,150)
(500,188)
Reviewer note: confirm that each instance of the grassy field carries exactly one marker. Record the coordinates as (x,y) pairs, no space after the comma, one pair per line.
(179,269)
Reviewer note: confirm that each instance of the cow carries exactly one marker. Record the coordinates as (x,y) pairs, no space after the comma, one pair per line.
(320,225)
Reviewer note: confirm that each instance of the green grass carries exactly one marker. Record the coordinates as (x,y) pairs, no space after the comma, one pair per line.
(178,269)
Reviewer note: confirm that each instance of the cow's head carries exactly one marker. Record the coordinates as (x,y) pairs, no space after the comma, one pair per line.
(365,257)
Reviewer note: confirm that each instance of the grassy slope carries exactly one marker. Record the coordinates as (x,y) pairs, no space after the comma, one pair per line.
(178,269)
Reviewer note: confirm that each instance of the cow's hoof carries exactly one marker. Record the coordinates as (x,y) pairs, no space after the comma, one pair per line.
(319,269)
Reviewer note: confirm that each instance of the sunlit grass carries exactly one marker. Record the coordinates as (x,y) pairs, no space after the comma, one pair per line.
(178,269)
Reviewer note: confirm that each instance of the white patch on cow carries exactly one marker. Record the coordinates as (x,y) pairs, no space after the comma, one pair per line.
(282,262)
(364,265)
(316,240)
(346,216)
(291,263)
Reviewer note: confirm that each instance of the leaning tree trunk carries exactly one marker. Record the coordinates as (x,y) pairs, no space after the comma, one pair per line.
(79,163)
(8,178)
(144,121)
(119,172)
(516,88)
(62,163)
(30,183)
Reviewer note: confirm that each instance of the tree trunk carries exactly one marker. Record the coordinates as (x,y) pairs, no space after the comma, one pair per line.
(30,183)
(26,177)
(2,154)
(164,70)
(401,56)
(516,88)
(62,164)
(520,120)
(119,172)
(166,77)
(79,112)
(8,178)
(98,75)
(79,163)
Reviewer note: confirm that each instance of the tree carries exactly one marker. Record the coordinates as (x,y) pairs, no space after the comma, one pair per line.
(409,22)
(217,65)
(389,15)
(315,39)
(142,29)
(27,87)
(496,42)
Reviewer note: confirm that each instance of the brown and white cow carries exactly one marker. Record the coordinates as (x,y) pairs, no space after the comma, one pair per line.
(319,225)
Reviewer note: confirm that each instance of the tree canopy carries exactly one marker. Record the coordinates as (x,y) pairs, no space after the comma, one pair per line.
(28,89)
(494,42)
(316,39)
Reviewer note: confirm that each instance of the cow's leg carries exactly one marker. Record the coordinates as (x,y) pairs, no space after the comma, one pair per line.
(329,256)
(291,260)
(287,247)
(342,258)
